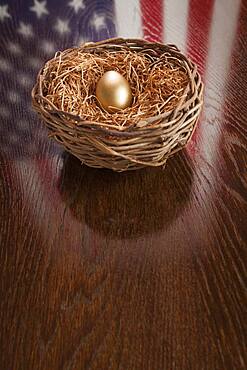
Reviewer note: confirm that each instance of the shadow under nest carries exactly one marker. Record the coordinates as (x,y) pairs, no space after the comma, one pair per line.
(126,205)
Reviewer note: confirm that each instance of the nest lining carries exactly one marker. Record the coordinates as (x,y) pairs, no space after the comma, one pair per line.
(157,84)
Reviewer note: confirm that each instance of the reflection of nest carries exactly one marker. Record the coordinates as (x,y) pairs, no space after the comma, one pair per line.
(167,91)
(126,205)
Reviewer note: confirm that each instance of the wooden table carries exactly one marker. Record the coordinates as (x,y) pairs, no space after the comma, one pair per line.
(132,271)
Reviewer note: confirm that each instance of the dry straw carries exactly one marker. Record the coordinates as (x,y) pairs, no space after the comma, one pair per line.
(167,99)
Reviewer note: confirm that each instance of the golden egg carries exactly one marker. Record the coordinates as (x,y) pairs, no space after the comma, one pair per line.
(113,91)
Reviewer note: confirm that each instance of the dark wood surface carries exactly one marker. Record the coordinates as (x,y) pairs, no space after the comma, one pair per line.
(133,271)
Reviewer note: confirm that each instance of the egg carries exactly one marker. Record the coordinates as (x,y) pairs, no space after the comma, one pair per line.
(113,92)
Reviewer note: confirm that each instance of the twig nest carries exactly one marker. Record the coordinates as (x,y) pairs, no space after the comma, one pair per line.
(145,115)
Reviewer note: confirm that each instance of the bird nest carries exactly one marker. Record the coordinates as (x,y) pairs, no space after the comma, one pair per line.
(167,99)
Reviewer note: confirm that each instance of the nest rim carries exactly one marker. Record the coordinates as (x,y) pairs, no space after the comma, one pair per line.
(149,142)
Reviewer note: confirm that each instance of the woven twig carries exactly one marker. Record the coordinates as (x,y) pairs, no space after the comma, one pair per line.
(149,141)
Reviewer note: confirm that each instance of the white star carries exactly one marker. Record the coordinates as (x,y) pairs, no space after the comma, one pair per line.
(25,30)
(24,79)
(14,48)
(62,26)
(5,66)
(39,8)
(77,5)
(13,96)
(22,125)
(47,46)
(4,12)
(98,21)
(82,40)
(35,62)
(14,139)
(4,111)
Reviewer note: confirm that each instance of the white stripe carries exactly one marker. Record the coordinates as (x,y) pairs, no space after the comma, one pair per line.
(222,35)
(176,20)
(128,18)
(211,128)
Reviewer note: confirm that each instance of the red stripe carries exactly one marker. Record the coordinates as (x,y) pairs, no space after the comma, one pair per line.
(234,89)
(152,19)
(199,21)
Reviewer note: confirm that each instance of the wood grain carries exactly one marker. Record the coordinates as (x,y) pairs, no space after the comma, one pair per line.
(132,271)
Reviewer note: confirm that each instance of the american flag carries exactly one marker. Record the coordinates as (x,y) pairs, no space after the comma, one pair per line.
(32,31)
